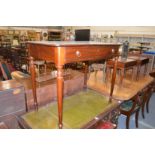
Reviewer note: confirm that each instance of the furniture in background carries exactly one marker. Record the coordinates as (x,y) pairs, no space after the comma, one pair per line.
(130,107)
(141,61)
(145,96)
(132,93)
(152,54)
(46,87)
(136,103)
(62,53)
(55,35)
(123,65)
(19,57)
(152,74)
(5,69)
(12,98)
(39,64)
(98,66)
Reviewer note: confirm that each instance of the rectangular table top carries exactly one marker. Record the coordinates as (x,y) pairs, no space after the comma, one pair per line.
(70,43)
(78,111)
(123,92)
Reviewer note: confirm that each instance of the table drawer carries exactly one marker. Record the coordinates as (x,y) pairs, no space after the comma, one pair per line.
(73,54)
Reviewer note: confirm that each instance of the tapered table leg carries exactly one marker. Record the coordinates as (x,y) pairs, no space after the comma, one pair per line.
(85,74)
(113,79)
(33,76)
(60,85)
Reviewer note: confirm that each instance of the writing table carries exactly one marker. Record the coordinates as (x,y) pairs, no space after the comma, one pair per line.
(61,53)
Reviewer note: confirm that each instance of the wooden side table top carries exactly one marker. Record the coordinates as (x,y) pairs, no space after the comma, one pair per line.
(9,84)
(123,63)
(152,74)
(140,59)
(126,91)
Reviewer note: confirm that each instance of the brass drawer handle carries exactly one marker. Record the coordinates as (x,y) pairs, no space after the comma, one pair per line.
(113,51)
(78,54)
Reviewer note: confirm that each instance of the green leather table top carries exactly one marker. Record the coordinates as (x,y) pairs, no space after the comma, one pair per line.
(78,110)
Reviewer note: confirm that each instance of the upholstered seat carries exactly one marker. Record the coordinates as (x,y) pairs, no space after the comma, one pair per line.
(127,105)
(130,107)
(106,125)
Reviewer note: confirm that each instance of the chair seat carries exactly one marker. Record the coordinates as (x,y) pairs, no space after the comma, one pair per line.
(106,125)
(127,105)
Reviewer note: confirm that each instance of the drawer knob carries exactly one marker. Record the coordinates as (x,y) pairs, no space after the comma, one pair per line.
(113,51)
(78,54)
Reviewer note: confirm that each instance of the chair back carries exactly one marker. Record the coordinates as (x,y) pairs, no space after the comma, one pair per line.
(5,71)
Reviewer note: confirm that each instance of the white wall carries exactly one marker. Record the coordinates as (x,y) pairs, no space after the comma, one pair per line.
(119,29)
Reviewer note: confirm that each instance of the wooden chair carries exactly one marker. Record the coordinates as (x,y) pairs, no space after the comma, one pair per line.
(38,64)
(149,96)
(99,66)
(6,72)
(145,98)
(152,74)
(130,107)
(122,67)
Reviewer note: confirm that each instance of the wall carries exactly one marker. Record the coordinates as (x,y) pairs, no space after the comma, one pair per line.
(118,29)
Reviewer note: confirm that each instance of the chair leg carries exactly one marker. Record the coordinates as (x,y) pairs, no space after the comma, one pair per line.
(127,122)
(96,73)
(147,105)
(136,118)
(143,106)
(45,65)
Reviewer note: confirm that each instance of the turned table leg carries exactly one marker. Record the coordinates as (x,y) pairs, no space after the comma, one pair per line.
(113,79)
(60,85)
(33,76)
(85,74)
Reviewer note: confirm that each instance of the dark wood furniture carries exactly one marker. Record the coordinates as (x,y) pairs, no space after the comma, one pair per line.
(19,57)
(136,93)
(62,53)
(140,62)
(3,125)
(85,109)
(46,88)
(145,97)
(122,65)
(12,98)
(152,55)
(130,107)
